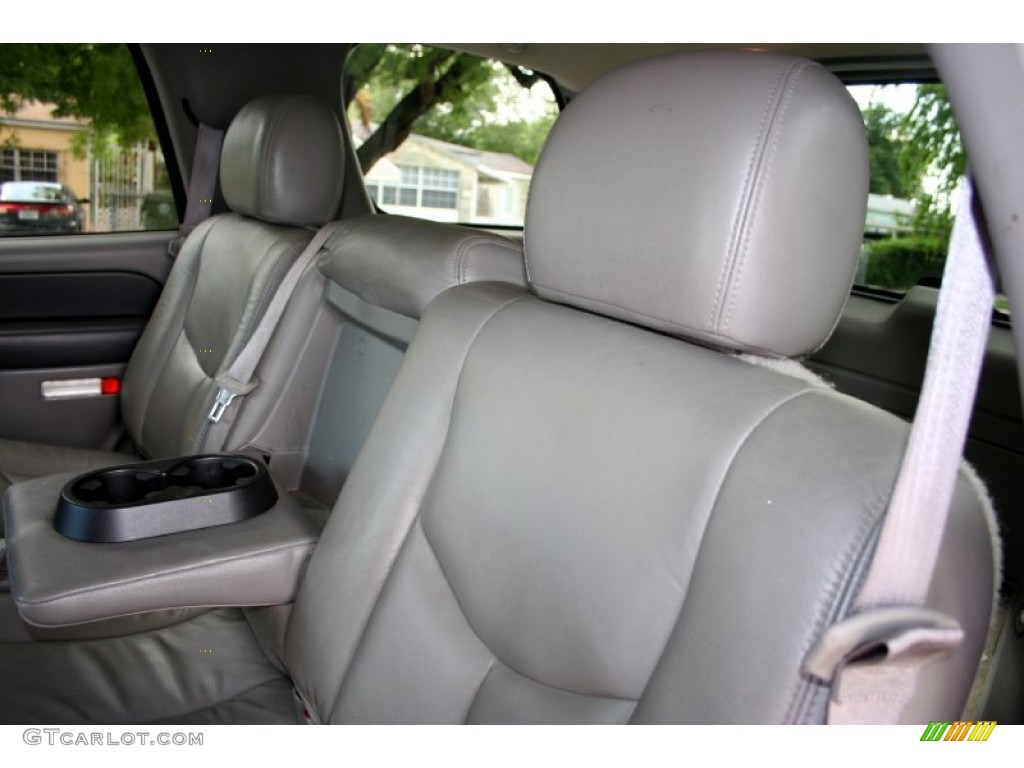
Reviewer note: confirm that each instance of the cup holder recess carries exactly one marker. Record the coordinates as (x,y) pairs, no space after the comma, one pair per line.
(153,498)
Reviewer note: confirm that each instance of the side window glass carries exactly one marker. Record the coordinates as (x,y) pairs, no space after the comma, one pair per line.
(916,162)
(78,148)
(445,135)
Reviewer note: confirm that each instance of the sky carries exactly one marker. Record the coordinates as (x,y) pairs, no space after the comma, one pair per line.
(899,98)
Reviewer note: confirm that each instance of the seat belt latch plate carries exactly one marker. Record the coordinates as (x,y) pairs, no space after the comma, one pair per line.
(220,404)
(878,630)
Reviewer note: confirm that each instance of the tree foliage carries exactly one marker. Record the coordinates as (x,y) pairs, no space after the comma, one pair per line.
(395,90)
(891,171)
(522,138)
(901,262)
(905,149)
(917,155)
(399,89)
(97,83)
(933,139)
(933,142)
(393,87)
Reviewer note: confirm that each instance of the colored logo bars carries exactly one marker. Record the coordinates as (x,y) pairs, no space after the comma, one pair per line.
(966,730)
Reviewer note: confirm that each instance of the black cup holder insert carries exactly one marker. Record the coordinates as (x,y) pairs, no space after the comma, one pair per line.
(153,498)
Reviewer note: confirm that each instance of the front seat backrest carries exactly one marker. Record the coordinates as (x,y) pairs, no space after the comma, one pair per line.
(280,173)
(582,506)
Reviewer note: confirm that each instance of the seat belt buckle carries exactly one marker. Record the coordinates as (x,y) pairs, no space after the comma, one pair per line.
(220,403)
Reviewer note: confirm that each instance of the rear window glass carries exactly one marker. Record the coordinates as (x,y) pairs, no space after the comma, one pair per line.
(75,128)
(916,162)
(445,135)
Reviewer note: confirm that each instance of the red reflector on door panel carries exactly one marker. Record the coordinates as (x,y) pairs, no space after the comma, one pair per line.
(110,385)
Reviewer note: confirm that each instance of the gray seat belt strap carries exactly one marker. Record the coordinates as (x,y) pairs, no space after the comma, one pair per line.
(202,183)
(238,381)
(888,612)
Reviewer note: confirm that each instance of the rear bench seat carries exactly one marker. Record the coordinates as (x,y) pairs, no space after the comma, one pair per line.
(222,282)
(330,364)
(278,179)
(217,292)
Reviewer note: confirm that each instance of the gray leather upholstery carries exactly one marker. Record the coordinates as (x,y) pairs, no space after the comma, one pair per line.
(339,344)
(621,540)
(282,161)
(222,281)
(278,166)
(761,172)
(277,172)
(277,424)
(277,416)
(61,582)
(20,460)
(401,264)
(207,670)
(562,517)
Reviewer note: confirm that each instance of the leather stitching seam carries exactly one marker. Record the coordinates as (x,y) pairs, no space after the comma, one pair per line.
(744,197)
(760,183)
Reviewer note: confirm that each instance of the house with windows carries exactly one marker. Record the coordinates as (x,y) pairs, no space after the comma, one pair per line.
(36,146)
(432,179)
(889,216)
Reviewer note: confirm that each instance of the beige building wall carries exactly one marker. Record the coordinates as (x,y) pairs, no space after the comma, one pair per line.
(412,153)
(33,126)
(71,170)
(491,198)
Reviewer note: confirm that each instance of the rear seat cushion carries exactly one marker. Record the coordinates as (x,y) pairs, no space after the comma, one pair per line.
(20,460)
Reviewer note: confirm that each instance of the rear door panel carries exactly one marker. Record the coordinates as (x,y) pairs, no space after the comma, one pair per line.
(72,307)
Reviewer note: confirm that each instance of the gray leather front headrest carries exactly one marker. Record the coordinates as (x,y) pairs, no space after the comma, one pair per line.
(282,161)
(401,264)
(718,197)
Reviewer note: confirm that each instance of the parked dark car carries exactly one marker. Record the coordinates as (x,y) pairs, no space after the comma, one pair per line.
(39,207)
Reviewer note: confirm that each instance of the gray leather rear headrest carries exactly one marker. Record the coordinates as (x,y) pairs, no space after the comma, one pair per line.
(282,161)
(718,197)
(401,264)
